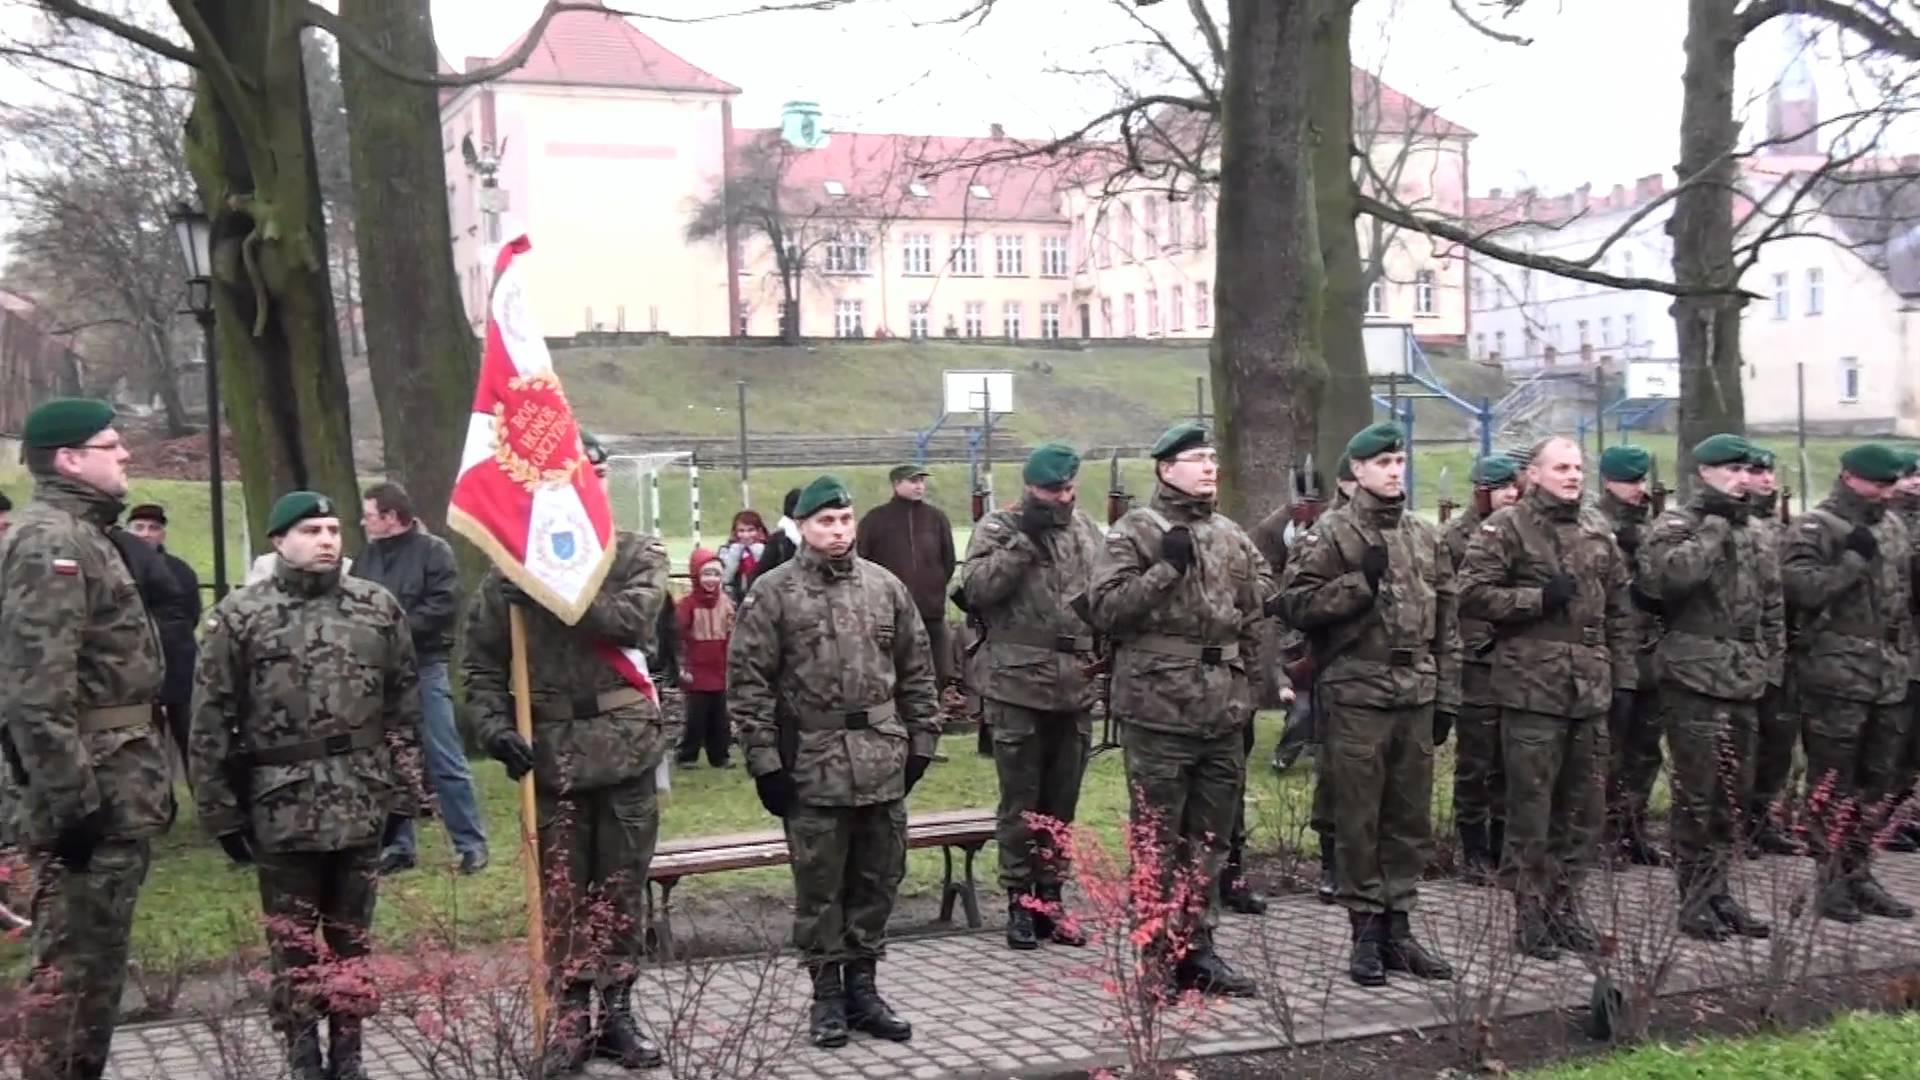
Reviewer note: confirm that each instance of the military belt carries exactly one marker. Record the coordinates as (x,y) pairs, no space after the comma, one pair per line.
(587,706)
(115,717)
(1186,649)
(1065,643)
(850,720)
(1570,635)
(1721,630)
(1382,654)
(346,742)
(1871,631)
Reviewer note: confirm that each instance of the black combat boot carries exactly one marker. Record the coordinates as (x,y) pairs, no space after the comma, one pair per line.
(1769,838)
(1635,848)
(343,1049)
(1496,844)
(827,1026)
(1403,953)
(1021,934)
(303,1052)
(1205,971)
(1872,898)
(865,1009)
(1571,930)
(1367,964)
(571,1040)
(1329,887)
(1235,891)
(1533,929)
(1051,922)
(1697,919)
(619,1038)
(1476,855)
(1837,903)
(1735,918)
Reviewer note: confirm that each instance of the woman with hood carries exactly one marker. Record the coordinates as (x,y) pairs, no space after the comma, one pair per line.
(706,627)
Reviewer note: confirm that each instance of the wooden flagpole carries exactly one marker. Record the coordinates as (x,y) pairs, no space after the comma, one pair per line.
(529,834)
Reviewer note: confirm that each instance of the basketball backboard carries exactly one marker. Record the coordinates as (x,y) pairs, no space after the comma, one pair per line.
(974,391)
(1653,379)
(1389,348)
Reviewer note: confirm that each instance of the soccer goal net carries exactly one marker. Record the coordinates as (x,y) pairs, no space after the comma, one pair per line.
(656,493)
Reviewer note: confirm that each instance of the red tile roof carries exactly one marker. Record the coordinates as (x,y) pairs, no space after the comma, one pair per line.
(1381,110)
(590,48)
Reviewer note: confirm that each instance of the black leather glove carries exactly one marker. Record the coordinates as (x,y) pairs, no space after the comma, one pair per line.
(1558,592)
(514,594)
(1442,726)
(1176,547)
(777,792)
(1628,537)
(916,768)
(1620,711)
(1863,543)
(74,845)
(509,749)
(390,833)
(1272,608)
(237,847)
(1645,600)
(1373,563)
(1034,520)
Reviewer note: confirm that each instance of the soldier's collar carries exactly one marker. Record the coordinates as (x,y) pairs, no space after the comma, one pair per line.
(80,500)
(1550,507)
(1854,508)
(823,564)
(1377,510)
(1179,505)
(298,582)
(1621,508)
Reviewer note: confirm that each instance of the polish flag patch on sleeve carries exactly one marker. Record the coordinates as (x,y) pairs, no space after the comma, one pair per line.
(66,567)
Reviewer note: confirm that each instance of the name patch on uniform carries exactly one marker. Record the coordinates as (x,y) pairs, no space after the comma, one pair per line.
(66,567)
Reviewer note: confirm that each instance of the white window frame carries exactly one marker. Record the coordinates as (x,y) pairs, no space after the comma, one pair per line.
(1499,344)
(1606,331)
(1010,320)
(1153,312)
(919,319)
(1202,305)
(847,253)
(1010,255)
(1782,300)
(1055,259)
(963,255)
(744,319)
(1627,330)
(1150,224)
(1176,306)
(1424,295)
(1377,297)
(1050,320)
(849,319)
(917,254)
(1202,224)
(1816,290)
(975,319)
(1129,316)
(1851,380)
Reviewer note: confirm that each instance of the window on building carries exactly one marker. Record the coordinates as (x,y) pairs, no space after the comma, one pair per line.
(1010,255)
(1480,345)
(1423,297)
(1499,344)
(1176,306)
(1606,330)
(1202,217)
(1153,311)
(1780,301)
(835,188)
(1377,298)
(1106,316)
(846,253)
(1127,227)
(1627,333)
(1150,224)
(1129,322)
(1626,263)
(745,319)
(916,251)
(1202,305)
(964,256)
(1849,378)
(1102,251)
(976,311)
(979,191)
(919,319)
(918,190)
(1174,228)
(1581,328)
(1053,256)
(1010,320)
(847,321)
(1816,291)
(1050,321)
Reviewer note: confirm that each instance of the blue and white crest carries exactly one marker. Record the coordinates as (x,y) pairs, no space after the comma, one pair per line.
(563,548)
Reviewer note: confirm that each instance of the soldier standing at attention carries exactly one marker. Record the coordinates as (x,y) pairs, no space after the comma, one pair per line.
(81,750)
(1479,776)
(1905,505)
(305,759)
(1845,567)
(1553,583)
(597,740)
(1778,724)
(1024,571)
(1322,812)
(1633,729)
(1373,586)
(1180,591)
(831,685)
(1721,601)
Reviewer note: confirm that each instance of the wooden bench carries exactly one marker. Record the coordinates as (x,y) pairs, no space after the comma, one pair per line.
(964,830)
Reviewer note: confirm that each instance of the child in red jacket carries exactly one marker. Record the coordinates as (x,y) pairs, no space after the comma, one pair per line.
(706,625)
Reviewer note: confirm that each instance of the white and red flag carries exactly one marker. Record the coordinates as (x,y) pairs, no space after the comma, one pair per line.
(526,494)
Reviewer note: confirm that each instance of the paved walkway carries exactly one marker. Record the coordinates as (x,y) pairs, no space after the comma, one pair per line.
(980,1010)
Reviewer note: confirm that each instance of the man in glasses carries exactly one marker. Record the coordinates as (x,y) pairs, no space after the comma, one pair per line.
(83,668)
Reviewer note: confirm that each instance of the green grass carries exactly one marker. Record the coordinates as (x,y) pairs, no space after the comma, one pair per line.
(1859,1046)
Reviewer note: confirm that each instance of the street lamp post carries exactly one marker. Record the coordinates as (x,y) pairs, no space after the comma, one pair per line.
(195,235)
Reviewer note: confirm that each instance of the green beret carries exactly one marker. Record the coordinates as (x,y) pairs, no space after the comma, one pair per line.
(1722,449)
(1625,464)
(903,472)
(1184,436)
(1373,441)
(595,450)
(1760,458)
(1496,471)
(62,422)
(1051,465)
(825,491)
(1344,469)
(295,507)
(1877,462)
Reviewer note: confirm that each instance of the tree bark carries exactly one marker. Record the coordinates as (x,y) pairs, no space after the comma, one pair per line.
(421,352)
(1711,398)
(1347,404)
(249,147)
(1268,378)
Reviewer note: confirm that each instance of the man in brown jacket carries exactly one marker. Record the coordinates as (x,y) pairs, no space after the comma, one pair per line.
(913,539)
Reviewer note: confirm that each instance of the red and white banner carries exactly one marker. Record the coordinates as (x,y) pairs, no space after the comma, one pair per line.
(526,494)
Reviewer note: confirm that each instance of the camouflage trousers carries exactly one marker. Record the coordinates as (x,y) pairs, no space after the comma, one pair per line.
(1040,757)
(1380,766)
(1556,780)
(82,925)
(1711,740)
(1853,775)
(1190,790)
(318,909)
(1634,762)
(847,866)
(1479,771)
(595,847)
(1776,733)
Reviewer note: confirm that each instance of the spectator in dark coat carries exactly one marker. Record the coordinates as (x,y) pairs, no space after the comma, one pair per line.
(912,538)
(785,541)
(172,593)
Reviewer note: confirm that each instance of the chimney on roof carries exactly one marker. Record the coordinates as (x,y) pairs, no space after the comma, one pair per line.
(998,131)
(1650,186)
(1581,197)
(1618,196)
(1494,194)
(1909,163)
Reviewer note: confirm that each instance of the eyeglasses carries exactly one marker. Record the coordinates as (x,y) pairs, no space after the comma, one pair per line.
(114,445)
(1202,456)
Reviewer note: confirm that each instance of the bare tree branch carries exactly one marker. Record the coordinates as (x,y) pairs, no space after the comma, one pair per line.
(1460,9)
(1879,27)
(1209,30)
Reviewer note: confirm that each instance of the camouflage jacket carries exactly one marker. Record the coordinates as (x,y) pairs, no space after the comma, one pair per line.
(1164,624)
(1850,616)
(306,713)
(829,676)
(1476,635)
(75,639)
(1037,650)
(1720,599)
(591,728)
(1567,664)
(1768,530)
(1389,649)
(1907,507)
(1619,517)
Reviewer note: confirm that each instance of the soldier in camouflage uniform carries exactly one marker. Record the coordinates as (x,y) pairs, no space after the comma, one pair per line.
(83,668)
(1720,600)
(1846,570)
(1905,505)
(1778,725)
(305,757)
(831,684)
(1553,583)
(1024,571)
(597,740)
(1180,592)
(1633,729)
(1321,816)
(1479,777)
(1373,587)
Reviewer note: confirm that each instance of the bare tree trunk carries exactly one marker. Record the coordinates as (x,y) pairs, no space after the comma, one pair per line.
(1346,406)
(1267,375)
(1702,229)
(420,349)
